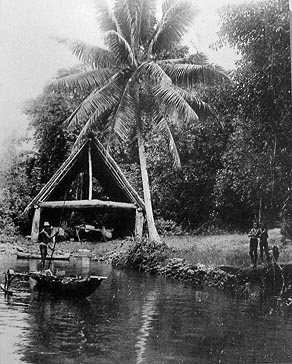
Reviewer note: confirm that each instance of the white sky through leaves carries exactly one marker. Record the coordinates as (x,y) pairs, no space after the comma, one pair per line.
(30,57)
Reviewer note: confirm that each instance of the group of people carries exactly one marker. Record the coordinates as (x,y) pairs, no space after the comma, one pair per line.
(258,234)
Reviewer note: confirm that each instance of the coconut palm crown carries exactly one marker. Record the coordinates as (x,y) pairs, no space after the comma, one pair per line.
(131,63)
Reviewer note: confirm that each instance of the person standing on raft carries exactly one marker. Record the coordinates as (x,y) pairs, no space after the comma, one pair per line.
(45,236)
(253,244)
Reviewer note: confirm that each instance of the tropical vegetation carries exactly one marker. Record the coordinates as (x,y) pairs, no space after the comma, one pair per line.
(256,174)
(135,77)
(232,148)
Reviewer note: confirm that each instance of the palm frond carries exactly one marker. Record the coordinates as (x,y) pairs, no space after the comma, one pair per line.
(194,101)
(171,100)
(124,115)
(134,9)
(176,17)
(152,72)
(120,47)
(136,20)
(125,15)
(171,60)
(82,134)
(106,17)
(82,81)
(89,54)
(189,75)
(146,10)
(125,120)
(163,128)
(156,113)
(198,58)
(100,101)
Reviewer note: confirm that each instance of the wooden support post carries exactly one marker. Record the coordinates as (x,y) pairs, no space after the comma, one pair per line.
(89,173)
(35,227)
(139,223)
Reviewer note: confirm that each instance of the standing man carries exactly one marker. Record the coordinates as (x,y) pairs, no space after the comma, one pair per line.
(253,244)
(264,243)
(45,236)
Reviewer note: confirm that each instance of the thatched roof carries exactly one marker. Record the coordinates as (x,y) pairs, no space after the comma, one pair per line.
(104,169)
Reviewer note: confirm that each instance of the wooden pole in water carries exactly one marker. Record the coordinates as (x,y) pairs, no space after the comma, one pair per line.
(53,251)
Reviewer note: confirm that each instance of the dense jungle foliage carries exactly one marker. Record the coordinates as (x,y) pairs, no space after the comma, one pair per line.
(235,165)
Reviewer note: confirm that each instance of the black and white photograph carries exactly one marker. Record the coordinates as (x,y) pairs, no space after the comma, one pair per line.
(145,181)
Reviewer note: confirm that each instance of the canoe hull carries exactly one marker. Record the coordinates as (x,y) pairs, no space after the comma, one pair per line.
(67,287)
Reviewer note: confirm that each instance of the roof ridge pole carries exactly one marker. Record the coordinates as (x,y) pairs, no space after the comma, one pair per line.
(89,172)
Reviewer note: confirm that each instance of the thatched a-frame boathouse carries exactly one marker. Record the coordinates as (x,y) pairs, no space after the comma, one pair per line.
(73,188)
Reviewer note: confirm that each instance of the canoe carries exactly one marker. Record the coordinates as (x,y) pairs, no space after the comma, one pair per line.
(66,286)
(21,255)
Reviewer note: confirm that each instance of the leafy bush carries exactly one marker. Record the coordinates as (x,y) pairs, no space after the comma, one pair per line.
(143,255)
(168,227)
(8,230)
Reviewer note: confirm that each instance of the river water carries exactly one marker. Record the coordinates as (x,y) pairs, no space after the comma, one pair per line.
(139,318)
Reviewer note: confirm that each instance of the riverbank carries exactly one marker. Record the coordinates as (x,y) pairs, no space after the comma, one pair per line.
(224,249)
(212,250)
(227,258)
(199,260)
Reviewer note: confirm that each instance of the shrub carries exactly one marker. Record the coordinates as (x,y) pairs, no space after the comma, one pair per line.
(168,227)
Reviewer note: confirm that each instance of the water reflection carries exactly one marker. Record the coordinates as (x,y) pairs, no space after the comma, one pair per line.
(56,329)
(136,318)
(11,328)
(148,311)
(85,264)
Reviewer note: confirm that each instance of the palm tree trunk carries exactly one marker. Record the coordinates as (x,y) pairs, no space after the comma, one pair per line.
(153,234)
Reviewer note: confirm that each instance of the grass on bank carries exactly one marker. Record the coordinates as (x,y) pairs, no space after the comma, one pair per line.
(225,249)
(212,250)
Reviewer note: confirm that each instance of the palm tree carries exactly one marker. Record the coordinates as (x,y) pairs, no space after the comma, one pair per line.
(133,64)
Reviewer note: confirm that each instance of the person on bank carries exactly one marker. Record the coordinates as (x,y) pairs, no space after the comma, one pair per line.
(253,244)
(45,236)
(263,233)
